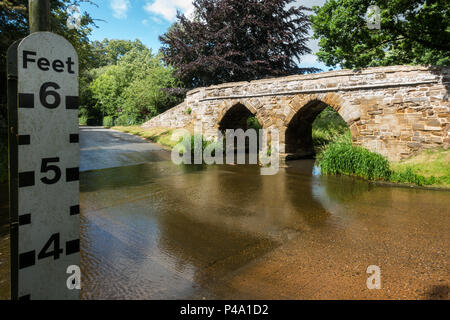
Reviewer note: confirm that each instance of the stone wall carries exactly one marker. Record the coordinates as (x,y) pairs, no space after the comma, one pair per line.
(395,111)
(177,117)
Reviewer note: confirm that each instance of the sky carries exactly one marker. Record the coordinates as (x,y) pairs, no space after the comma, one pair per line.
(147,19)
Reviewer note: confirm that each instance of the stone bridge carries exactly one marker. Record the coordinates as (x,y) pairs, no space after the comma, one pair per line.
(395,111)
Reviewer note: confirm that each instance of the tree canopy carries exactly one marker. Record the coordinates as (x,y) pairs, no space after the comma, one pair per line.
(14,26)
(235,40)
(412,32)
(133,88)
(108,52)
(118,78)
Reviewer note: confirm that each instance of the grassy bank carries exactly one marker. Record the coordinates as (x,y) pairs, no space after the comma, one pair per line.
(157,135)
(341,157)
(163,136)
(336,155)
(429,168)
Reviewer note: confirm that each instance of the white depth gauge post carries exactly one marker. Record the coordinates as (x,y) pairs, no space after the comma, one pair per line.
(44,168)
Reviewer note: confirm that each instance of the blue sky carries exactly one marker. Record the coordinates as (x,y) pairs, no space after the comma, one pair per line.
(147,19)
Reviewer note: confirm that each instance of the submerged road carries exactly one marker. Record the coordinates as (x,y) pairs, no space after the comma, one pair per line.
(154,230)
(102,148)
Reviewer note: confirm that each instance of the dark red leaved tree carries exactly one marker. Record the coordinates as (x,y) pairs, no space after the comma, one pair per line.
(237,40)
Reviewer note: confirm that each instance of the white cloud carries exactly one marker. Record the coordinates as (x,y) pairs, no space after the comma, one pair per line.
(120,8)
(168,8)
(157,20)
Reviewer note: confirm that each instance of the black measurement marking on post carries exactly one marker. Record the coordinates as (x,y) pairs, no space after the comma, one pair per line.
(26,179)
(44,92)
(26,100)
(71,102)
(27,259)
(72,174)
(25,297)
(52,243)
(74,210)
(73,138)
(45,167)
(23,140)
(24,219)
(72,246)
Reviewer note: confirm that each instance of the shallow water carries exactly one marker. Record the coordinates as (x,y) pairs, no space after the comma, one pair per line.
(161,231)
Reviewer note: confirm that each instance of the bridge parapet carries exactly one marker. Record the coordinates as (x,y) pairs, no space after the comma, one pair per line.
(332,81)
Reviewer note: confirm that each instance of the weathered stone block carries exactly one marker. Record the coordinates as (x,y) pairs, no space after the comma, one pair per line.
(429,128)
(413,145)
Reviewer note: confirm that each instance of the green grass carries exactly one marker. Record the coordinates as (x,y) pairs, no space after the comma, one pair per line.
(408,176)
(204,143)
(336,155)
(253,123)
(327,127)
(341,157)
(429,167)
(163,137)
(82,121)
(108,121)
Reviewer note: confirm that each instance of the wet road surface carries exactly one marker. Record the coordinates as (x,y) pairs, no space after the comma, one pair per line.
(103,148)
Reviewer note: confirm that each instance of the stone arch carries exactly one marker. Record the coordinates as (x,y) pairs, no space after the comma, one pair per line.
(243,108)
(333,100)
(297,127)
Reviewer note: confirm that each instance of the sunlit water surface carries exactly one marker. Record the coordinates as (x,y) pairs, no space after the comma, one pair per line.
(161,231)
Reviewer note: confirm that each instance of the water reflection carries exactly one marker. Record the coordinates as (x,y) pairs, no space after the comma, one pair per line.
(158,230)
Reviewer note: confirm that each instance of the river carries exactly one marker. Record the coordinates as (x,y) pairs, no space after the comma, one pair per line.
(155,230)
(161,231)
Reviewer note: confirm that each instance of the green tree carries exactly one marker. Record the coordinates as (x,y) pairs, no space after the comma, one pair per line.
(103,53)
(14,26)
(107,89)
(412,32)
(148,96)
(108,52)
(135,87)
